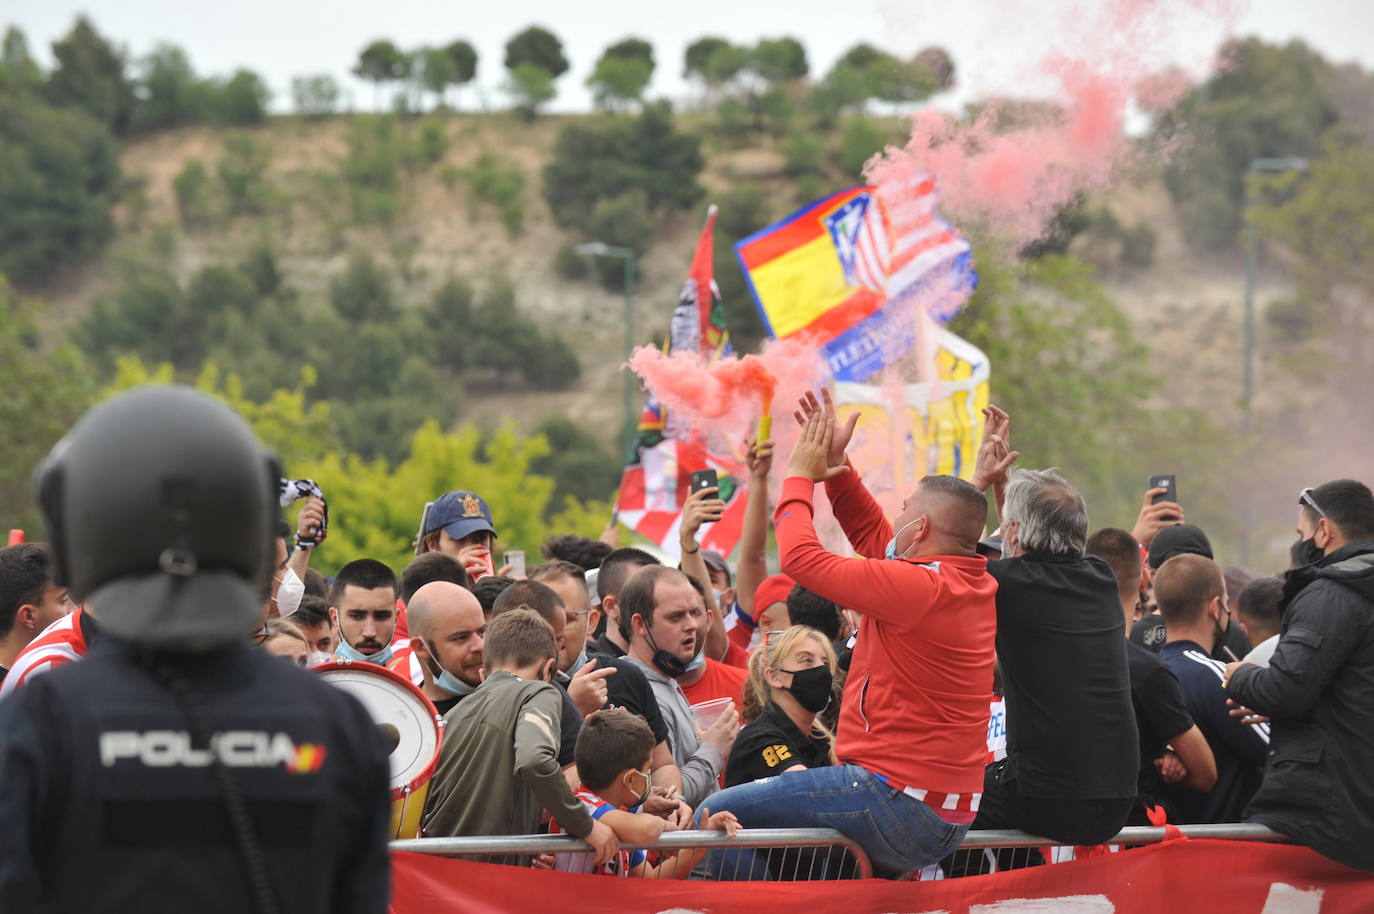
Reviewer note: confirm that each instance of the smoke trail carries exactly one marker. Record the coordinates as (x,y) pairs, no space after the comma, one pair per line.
(1006,179)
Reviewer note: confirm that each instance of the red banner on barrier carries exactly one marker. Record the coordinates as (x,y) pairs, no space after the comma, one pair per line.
(1180,877)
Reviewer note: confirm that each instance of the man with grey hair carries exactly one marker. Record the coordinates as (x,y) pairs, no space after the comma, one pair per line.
(1072,754)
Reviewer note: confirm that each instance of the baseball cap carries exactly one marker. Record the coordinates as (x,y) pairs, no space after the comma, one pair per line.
(1179,539)
(459,513)
(772,590)
(717,562)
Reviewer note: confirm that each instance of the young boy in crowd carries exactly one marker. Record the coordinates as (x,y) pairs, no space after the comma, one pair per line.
(613,755)
(499,763)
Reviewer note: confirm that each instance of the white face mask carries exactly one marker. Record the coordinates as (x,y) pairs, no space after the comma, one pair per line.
(290,590)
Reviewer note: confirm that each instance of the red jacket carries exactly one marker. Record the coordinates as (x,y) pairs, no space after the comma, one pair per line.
(916,700)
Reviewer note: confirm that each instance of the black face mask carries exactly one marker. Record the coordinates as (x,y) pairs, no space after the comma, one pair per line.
(667,664)
(811,687)
(1308,553)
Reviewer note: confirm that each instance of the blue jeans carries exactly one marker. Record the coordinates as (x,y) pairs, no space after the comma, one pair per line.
(900,834)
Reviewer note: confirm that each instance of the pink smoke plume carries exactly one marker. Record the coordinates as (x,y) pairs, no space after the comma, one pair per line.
(1010,180)
(721,401)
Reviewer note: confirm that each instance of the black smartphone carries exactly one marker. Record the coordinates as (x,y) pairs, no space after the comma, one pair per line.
(1164,482)
(703,479)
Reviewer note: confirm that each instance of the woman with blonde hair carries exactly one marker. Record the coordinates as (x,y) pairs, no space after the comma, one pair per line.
(791,681)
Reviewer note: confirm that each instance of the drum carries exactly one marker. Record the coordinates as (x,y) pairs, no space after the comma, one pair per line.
(411,726)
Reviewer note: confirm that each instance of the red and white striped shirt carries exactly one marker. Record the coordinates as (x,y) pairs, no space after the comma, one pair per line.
(404,661)
(58,645)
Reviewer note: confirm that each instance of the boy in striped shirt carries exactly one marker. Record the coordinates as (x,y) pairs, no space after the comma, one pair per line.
(613,755)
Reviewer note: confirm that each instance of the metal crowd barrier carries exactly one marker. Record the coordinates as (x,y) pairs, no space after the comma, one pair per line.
(798,850)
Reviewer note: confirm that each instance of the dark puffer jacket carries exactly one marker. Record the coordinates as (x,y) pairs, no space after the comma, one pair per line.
(1319,692)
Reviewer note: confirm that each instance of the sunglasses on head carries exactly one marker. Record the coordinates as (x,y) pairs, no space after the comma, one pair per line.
(1305,498)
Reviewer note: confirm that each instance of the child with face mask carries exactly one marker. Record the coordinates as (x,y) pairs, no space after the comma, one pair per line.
(791,681)
(613,755)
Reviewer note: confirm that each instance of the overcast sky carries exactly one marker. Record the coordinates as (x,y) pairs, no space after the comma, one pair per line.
(992,41)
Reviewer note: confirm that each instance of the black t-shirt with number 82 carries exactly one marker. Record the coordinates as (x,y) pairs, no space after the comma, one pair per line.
(771,744)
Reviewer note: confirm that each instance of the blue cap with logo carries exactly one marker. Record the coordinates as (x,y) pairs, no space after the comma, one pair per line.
(458,514)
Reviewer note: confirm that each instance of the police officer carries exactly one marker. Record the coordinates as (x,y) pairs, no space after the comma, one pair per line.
(176,768)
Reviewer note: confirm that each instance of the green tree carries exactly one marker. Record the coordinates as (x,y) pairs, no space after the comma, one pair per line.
(296,431)
(191,187)
(363,291)
(170,93)
(632,49)
(622,74)
(463,56)
(577,461)
(315,96)
(371,168)
(538,47)
(1067,360)
(860,57)
(437,72)
(1319,226)
(448,319)
(45,392)
(242,99)
(744,210)
(532,87)
(844,88)
(59,169)
(90,75)
(1271,101)
(725,65)
(492,180)
(243,173)
(697,55)
(860,140)
(18,70)
(777,60)
(381,62)
(646,153)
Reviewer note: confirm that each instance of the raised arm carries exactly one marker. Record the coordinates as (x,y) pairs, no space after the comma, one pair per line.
(752,567)
(995,457)
(891,591)
(860,516)
(701,507)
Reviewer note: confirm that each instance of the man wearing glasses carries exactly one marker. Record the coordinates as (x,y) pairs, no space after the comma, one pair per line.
(1318,690)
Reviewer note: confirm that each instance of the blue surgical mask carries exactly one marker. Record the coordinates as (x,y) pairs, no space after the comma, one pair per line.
(580,662)
(445,680)
(697,663)
(347,651)
(891,552)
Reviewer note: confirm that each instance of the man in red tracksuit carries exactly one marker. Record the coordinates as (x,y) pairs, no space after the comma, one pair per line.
(913,727)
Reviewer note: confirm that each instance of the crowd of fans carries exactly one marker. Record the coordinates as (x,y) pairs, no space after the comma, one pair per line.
(609,696)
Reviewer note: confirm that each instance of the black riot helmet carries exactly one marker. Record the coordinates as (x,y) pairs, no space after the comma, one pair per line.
(159,505)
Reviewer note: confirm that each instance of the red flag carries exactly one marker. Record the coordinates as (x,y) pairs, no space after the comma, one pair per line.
(654,484)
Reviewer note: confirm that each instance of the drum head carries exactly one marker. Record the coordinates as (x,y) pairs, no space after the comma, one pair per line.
(404,714)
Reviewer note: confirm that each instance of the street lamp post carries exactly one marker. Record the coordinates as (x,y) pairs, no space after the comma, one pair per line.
(601,249)
(1247,391)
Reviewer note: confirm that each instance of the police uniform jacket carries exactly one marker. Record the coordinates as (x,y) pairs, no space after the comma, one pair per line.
(110,804)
